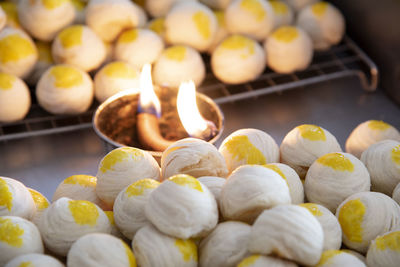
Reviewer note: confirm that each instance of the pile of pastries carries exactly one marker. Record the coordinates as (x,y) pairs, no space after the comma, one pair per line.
(248,203)
(72,51)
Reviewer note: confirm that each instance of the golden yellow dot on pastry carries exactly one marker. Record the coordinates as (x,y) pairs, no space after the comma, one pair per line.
(129,254)
(249,261)
(71,36)
(177,53)
(286,34)
(110,216)
(279,7)
(120,70)
(396,155)
(137,188)
(238,42)
(319,9)
(186,180)
(157,25)
(52,4)
(83,180)
(351,216)
(202,22)
(26,264)
(255,8)
(119,155)
(12,13)
(14,47)
(40,201)
(312,132)
(84,212)
(241,148)
(328,255)
(220,17)
(6,81)
(44,50)
(389,241)
(129,36)
(313,208)
(337,162)
(66,77)
(5,195)
(187,248)
(11,233)
(378,125)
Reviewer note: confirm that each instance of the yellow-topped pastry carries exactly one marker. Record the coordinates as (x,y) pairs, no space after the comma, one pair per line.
(18,236)
(65,89)
(130,204)
(190,23)
(237,59)
(113,78)
(18,53)
(79,46)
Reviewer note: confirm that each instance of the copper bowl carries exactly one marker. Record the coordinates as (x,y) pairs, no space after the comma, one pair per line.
(122,107)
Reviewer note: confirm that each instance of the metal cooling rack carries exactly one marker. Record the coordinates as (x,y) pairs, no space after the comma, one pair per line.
(345,59)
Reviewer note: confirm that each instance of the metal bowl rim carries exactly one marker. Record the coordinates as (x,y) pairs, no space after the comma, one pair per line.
(154,153)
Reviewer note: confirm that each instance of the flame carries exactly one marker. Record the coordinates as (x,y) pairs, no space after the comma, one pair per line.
(188,111)
(148,100)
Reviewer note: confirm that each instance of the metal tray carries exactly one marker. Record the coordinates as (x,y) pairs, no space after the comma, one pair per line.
(345,59)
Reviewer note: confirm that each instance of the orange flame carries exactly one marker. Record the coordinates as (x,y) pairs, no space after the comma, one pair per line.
(148,100)
(188,111)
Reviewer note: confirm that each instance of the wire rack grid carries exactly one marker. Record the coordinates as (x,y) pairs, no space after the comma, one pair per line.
(345,59)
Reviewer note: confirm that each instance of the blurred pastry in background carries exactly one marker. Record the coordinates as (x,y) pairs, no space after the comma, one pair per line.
(192,24)
(253,18)
(44,19)
(324,23)
(15,99)
(108,18)
(78,46)
(113,78)
(18,53)
(178,64)
(288,49)
(238,59)
(138,47)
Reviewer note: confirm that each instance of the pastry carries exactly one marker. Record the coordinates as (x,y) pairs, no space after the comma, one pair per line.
(182,207)
(238,59)
(65,89)
(334,177)
(44,19)
(78,46)
(138,47)
(15,98)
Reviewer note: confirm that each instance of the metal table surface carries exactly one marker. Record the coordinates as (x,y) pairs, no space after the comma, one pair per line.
(43,162)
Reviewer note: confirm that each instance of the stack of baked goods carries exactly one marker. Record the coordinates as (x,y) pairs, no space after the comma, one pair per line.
(63,48)
(248,203)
